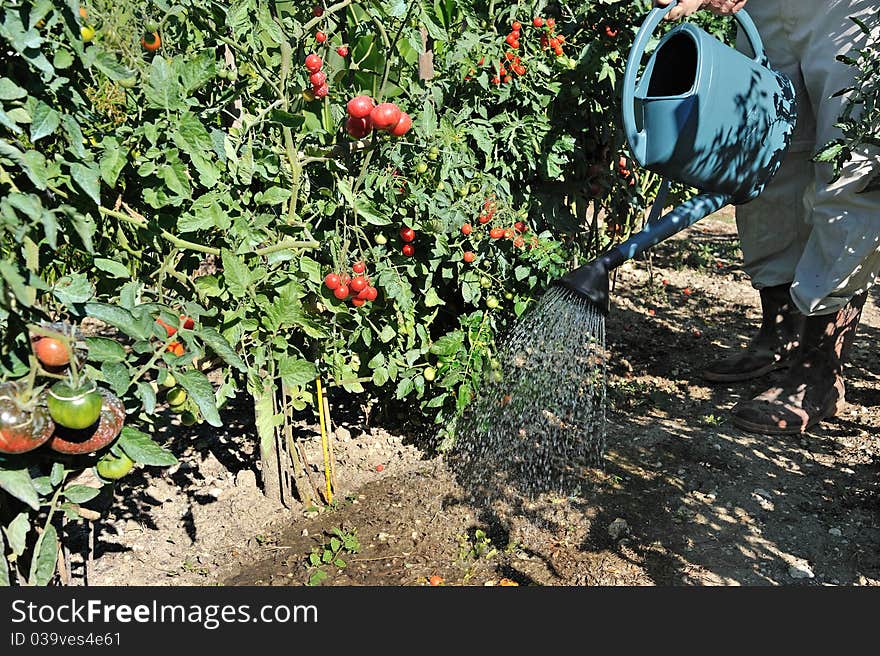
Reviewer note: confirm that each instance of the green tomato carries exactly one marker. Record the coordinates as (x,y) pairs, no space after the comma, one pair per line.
(441,186)
(188,418)
(496,376)
(232,75)
(176,397)
(112,468)
(464,191)
(170,381)
(430,374)
(381,239)
(433,153)
(475,188)
(421,167)
(508,296)
(491,302)
(74,408)
(485,282)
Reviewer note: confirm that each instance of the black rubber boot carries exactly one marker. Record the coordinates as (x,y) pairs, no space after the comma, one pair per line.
(774,345)
(813,389)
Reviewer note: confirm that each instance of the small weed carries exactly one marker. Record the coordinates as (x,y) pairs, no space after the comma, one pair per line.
(195,569)
(330,553)
(712,420)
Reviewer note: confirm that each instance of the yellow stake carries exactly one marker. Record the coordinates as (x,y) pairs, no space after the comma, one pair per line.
(324,443)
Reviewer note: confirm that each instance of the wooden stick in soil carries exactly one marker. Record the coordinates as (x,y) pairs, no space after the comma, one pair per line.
(298,468)
(315,486)
(330,437)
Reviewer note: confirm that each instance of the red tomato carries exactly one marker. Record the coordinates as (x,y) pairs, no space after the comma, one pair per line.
(403,125)
(360,106)
(407,234)
(342,51)
(537,21)
(318,78)
(517,26)
(187,323)
(485,218)
(322,91)
(358,267)
(496,233)
(176,348)
(358,127)
(519,242)
(318,11)
(358,284)
(469,256)
(51,352)
(466,229)
(408,250)
(358,302)
(151,41)
(331,281)
(385,116)
(320,37)
(314,63)
(341,292)
(372,293)
(168,328)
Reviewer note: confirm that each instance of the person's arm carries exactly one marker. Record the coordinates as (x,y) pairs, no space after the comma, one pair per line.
(687,7)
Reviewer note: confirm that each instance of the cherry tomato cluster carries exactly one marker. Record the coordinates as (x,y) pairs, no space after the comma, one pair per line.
(317,77)
(624,171)
(515,233)
(364,115)
(357,288)
(550,40)
(407,235)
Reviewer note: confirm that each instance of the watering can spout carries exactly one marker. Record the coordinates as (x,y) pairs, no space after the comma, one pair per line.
(591,279)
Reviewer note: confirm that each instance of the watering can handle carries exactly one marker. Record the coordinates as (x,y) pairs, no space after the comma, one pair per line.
(636,138)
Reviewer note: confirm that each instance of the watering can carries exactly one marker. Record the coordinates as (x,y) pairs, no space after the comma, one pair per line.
(702,114)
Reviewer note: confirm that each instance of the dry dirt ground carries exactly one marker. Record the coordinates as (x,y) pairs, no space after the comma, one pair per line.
(684,497)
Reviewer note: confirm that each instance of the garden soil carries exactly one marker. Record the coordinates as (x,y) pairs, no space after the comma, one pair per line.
(684,497)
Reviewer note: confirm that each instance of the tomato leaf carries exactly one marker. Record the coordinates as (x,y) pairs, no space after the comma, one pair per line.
(141,448)
(80,493)
(147,396)
(114,268)
(44,122)
(18,483)
(46,550)
(163,91)
(295,371)
(102,349)
(119,318)
(16,534)
(221,347)
(111,67)
(73,289)
(236,274)
(200,390)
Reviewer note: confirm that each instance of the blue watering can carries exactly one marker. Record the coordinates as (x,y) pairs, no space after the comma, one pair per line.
(702,114)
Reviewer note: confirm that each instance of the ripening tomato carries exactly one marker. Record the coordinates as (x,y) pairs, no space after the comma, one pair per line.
(407,234)
(320,37)
(469,256)
(151,41)
(314,63)
(435,580)
(519,242)
(385,116)
(466,229)
(318,78)
(51,352)
(168,327)
(342,51)
(496,233)
(21,430)
(176,348)
(358,302)
(408,250)
(360,106)
(358,267)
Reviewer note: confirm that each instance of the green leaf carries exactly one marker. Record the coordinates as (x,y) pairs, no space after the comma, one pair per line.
(88,179)
(163,90)
(236,273)
(73,289)
(80,493)
(432,299)
(199,388)
(141,448)
(111,67)
(273,196)
(56,474)
(16,282)
(341,564)
(17,482)
(45,121)
(147,396)
(119,318)
(295,371)
(221,347)
(114,268)
(196,71)
(4,565)
(117,376)
(317,577)
(46,555)
(112,161)
(103,349)
(16,534)
(9,90)
(448,344)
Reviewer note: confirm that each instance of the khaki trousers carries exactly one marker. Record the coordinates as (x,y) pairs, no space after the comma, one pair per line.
(823,238)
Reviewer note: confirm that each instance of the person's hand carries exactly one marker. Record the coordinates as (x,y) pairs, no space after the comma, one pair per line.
(687,7)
